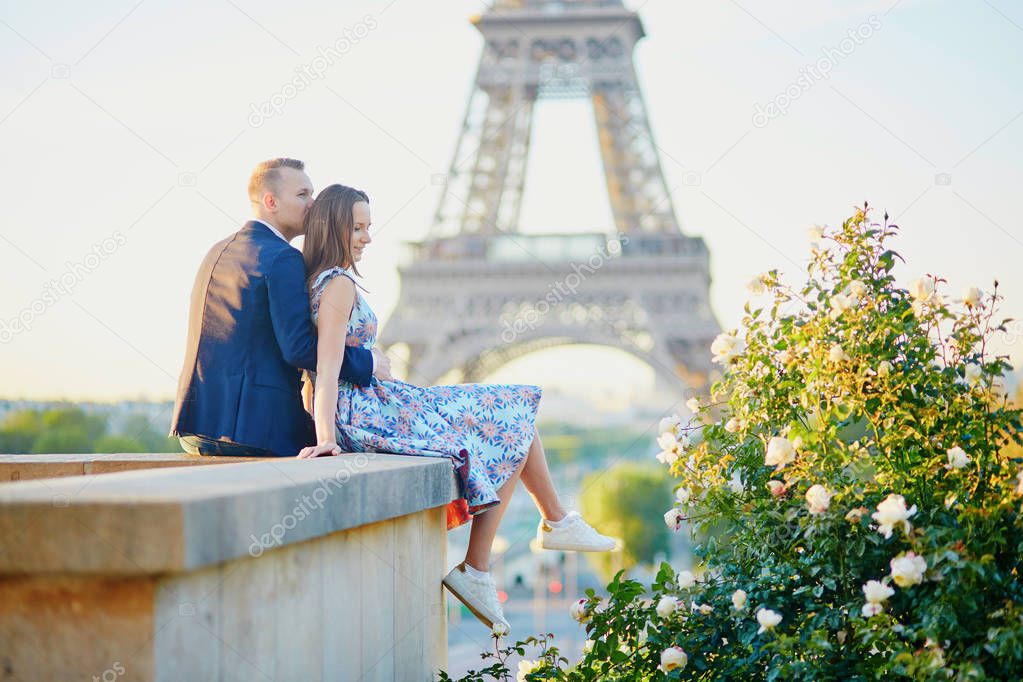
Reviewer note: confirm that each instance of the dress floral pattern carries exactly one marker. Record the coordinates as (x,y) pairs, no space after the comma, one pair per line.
(484,429)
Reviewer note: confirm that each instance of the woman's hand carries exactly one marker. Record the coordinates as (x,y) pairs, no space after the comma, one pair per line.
(383,365)
(318,450)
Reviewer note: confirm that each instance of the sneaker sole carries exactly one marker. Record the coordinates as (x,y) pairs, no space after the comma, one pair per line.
(486,620)
(567,547)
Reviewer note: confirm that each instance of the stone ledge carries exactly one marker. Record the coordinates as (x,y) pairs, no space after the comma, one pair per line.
(183,518)
(29,467)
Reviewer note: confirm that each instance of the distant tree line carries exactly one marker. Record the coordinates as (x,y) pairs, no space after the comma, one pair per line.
(70,429)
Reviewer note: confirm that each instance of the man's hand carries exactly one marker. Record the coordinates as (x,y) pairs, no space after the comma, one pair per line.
(382,366)
(318,450)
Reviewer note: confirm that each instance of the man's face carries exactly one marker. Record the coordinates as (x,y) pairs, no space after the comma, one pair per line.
(294,197)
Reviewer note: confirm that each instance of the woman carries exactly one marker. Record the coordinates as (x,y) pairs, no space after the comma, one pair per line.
(487,430)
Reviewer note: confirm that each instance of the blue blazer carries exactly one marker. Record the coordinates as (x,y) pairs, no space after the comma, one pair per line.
(249,333)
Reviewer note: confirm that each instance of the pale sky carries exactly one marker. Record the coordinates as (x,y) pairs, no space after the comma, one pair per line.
(131,122)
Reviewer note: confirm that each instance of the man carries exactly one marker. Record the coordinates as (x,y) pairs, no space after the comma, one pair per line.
(250,332)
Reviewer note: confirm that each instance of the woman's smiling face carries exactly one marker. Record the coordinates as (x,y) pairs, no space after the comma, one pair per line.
(360,229)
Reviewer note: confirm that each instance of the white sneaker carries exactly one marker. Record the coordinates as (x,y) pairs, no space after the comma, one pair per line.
(478,594)
(574,535)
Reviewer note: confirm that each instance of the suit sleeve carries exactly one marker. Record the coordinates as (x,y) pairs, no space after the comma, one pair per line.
(292,322)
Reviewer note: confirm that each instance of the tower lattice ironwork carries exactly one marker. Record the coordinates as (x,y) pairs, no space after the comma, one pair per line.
(479,293)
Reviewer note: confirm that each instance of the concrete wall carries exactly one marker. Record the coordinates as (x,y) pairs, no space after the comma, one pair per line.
(323,569)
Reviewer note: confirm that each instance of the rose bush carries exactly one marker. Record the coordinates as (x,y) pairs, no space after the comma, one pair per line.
(855,485)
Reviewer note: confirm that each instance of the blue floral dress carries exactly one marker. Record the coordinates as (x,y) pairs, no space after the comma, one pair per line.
(484,429)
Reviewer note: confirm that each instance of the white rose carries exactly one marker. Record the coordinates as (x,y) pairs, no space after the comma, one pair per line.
(693,404)
(971,296)
(908,569)
(957,458)
(973,373)
(891,512)
(726,347)
(739,599)
(499,629)
(525,667)
(666,606)
(855,290)
(669,441)
(871,609)
(785,357)
(672,425)
(673,518)
(839,304)
(686,579)
(704,609)
(673,658)
(884,368)
(672,446)
(588,646)
(757,286)
(768,619)
(837,353)
(732,425)
(818,498)
(779,452)
(777,488)
(580,611)
(922,288)
(683,495)
(667,457)
(876,591)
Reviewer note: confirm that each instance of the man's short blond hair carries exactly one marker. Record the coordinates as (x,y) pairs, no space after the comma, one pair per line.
(266,175)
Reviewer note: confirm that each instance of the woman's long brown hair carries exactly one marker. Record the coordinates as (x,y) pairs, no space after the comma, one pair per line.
(328,231)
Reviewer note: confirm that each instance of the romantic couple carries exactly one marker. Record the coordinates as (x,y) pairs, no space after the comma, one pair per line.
(262,311)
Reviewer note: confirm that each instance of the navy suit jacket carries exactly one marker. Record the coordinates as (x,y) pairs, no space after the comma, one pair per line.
(249,332)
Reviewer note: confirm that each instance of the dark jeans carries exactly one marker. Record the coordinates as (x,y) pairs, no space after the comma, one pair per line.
(201,445)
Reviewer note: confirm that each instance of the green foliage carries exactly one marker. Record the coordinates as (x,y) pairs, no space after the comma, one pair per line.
(529,670)
(862,468)
(861,389)
(68,430)
(628,501)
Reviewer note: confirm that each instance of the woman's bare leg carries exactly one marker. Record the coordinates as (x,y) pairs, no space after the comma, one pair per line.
(484,526)
(537,479)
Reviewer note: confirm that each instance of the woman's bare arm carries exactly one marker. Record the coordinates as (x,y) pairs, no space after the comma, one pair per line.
(307,392)
(336,305)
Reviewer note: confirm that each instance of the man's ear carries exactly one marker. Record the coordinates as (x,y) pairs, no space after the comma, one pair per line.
(269,202)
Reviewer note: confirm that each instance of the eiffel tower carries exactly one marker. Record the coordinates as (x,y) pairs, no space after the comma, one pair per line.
(478,293)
